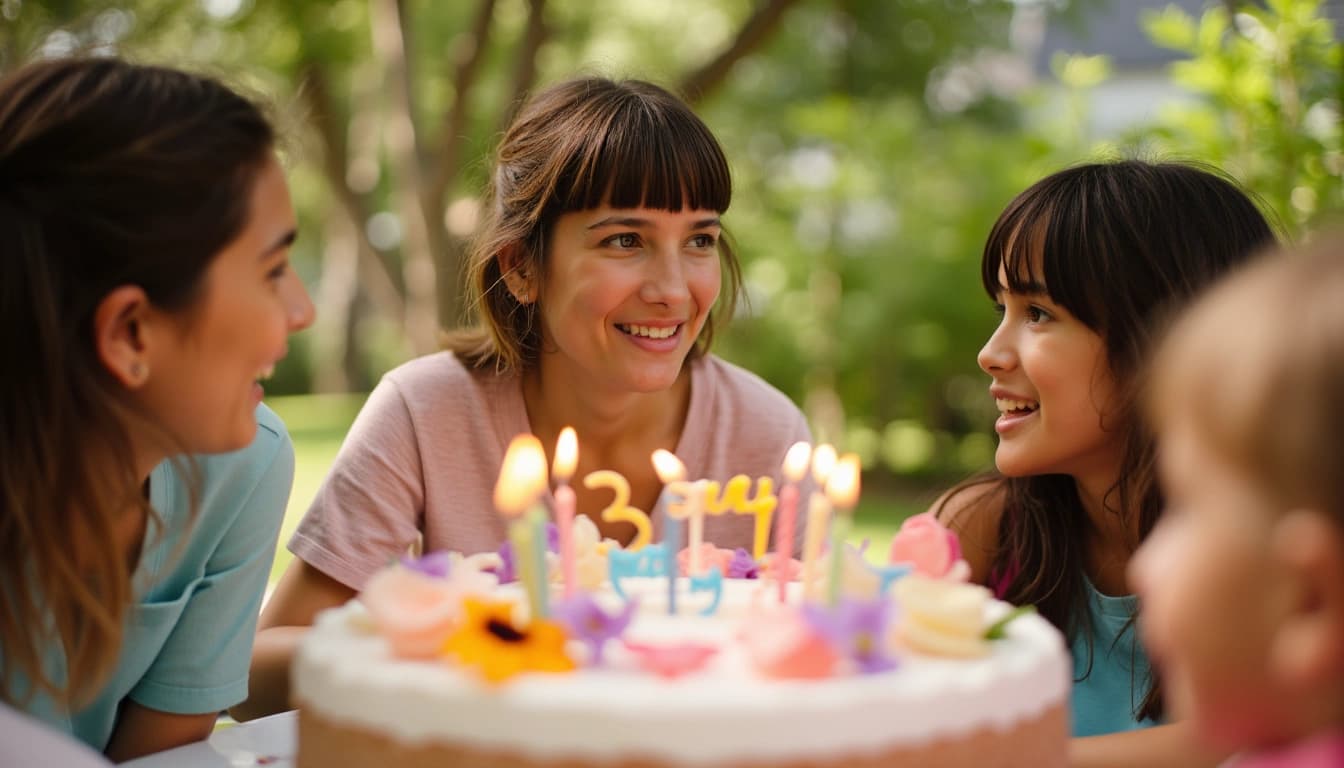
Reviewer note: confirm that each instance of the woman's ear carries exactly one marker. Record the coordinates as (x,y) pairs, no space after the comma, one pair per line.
(518,276)
(119,334)
(1309,546)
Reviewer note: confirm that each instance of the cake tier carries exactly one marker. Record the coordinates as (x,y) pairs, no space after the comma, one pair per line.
(363,707)
(1034,743)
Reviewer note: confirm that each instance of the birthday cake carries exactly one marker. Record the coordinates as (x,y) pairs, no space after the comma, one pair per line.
(448,661)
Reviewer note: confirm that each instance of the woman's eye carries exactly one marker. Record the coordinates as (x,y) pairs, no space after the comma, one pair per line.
(702,241)
(278,271)
(1035,314)
(999,309)
(624,240)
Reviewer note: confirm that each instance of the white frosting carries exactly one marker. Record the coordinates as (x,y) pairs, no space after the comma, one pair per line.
(722,713)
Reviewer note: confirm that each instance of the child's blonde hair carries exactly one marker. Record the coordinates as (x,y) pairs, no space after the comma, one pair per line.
(1257,366)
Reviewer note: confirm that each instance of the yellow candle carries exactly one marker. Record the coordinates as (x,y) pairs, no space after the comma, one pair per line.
(818,517)
(522,480)
(842,489)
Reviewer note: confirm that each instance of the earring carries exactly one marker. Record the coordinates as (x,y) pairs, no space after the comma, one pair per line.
(138,371)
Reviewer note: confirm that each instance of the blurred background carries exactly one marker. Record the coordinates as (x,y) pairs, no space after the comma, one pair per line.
(873,143)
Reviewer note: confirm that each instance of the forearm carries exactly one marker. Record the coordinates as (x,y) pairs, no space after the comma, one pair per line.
(268,676)
(1171,745)
(142,731)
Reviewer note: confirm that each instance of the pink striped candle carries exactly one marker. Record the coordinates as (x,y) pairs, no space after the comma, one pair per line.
(562,468)
(795,467)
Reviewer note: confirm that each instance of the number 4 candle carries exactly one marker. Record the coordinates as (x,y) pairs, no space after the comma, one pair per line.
(522,480)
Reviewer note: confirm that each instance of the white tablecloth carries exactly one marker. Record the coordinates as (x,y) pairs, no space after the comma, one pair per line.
(269,741)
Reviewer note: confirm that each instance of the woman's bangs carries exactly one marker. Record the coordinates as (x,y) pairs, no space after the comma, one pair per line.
(652,160)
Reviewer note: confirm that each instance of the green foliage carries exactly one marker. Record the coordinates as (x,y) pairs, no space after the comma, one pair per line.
(1266,86)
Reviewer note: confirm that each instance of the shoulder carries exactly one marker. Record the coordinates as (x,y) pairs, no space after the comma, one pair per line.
(742,392)
(973,510)
(428,378)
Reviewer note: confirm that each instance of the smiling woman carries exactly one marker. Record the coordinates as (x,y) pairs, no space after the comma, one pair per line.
(599,276)
(144,288)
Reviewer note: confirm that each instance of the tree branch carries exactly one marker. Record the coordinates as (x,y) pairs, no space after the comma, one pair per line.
(763,21)
(525,71)
(315,89)
(468,56)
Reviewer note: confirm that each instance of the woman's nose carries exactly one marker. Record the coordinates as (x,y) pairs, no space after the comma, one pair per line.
(665,282)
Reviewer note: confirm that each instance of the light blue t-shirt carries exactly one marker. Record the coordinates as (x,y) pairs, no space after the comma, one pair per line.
(188,640)
(1105,702)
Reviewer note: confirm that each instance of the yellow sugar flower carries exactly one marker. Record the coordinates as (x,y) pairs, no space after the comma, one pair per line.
(489,641)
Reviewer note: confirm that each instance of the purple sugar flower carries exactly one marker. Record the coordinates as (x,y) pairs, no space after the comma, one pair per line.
(435,565)
(585,620)
(856,629)
(742,566)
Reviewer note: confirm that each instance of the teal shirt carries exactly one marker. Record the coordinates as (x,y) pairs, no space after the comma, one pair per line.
(199,585)
(1106,700)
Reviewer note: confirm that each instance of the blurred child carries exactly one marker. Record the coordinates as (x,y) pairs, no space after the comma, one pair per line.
(1084,267)
(1242,582)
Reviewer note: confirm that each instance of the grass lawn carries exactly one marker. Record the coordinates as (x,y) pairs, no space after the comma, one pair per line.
(318,423)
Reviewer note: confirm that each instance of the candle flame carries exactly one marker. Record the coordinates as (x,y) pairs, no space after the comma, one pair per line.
(522,478)
(842,487)
(795,461)
(668,466)
(823,461)
(566,455)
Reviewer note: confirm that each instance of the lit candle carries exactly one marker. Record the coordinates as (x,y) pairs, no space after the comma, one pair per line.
(795,466)
(842,488)
(566,457)
(818,513)
(672,499)
(522,480)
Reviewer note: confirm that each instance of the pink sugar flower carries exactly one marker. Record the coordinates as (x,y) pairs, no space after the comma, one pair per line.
(710,557)
(929,546)
(413,611)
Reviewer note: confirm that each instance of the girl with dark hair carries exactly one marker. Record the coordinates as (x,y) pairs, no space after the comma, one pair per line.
(597,275)
(1085,267)
(144,288)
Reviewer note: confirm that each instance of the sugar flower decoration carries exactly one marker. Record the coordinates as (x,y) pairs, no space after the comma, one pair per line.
(585,620)
(942,618)
(590,554)
(435,564)
(414,612)
(928,545)
(671,660)
(488,640)
(780,644)
(710,557)
(857,630)
(742,566)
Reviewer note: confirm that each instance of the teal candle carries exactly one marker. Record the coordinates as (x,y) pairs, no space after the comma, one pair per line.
(840,526)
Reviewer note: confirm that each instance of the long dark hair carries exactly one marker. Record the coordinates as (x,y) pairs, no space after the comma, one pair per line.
(1121,246)
(572,147)
(111,174)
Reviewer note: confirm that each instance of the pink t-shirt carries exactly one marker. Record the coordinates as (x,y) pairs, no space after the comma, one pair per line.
(423,454)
